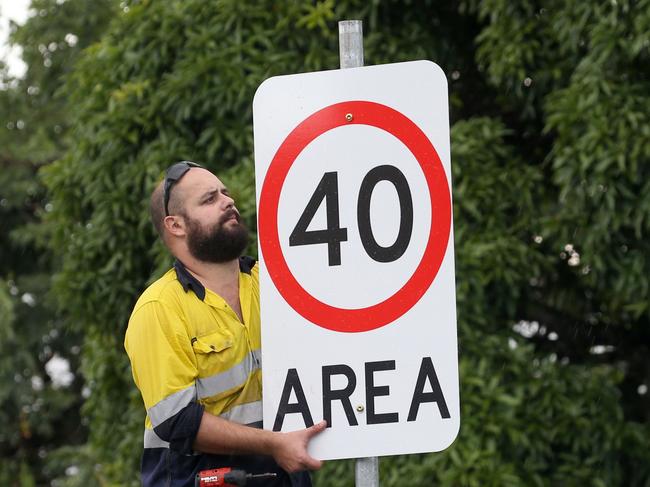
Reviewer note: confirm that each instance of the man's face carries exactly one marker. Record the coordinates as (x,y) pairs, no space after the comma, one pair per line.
(222,242)
(214,230)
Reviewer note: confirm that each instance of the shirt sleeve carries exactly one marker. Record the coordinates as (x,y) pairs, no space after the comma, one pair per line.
(164,370)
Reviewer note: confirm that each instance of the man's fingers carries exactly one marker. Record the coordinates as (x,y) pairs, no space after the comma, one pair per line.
(317,428)
(310,462)
(291,452)
(313,464)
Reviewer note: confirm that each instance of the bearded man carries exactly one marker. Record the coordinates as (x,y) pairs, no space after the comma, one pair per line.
(194,344)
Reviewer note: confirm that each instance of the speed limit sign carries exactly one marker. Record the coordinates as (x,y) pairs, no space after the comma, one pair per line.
(357,283)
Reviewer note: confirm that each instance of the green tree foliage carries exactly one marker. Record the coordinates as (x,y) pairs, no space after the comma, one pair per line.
(32,408)
(550,170)
(36,117)
(39,410)
(582,81)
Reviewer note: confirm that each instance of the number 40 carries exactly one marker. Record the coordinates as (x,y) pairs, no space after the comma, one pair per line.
(333,235)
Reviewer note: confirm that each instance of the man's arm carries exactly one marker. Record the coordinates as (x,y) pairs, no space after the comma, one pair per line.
(220,436)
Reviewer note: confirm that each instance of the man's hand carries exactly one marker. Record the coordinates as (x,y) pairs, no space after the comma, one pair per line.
(220,436)
(290,449)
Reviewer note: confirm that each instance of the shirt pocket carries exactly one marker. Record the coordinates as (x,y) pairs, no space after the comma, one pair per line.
(214,352)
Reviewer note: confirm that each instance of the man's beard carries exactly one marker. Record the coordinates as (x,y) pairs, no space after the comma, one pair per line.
(218,244)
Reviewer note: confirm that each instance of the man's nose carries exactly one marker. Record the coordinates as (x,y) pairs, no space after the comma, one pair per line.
(228,201)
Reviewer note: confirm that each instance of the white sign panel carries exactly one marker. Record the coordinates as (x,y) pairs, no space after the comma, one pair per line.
(357,258)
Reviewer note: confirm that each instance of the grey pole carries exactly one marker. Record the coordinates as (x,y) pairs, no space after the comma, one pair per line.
(366,472)
(351,43)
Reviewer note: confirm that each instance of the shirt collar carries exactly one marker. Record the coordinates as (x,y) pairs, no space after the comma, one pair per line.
(188,281)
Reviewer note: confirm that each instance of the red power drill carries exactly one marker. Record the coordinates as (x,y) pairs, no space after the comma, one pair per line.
(226,477)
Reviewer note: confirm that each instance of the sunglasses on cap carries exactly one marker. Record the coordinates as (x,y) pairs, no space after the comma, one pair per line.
(174,174)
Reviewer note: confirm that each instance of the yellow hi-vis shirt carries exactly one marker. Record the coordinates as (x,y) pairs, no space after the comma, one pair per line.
(188,347)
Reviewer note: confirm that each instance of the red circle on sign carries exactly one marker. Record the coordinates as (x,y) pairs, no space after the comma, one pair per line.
(387,311)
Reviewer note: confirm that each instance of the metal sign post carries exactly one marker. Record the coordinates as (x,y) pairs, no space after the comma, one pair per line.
(351,43)
(366,472)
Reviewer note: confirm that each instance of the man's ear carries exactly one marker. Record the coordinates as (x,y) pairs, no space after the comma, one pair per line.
(175,225)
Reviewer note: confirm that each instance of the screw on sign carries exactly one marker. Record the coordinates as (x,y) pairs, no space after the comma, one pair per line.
(380,314)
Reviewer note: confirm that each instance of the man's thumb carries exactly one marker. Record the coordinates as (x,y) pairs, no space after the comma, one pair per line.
(317,428)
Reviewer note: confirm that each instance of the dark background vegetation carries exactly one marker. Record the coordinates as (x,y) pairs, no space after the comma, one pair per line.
(550,111)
